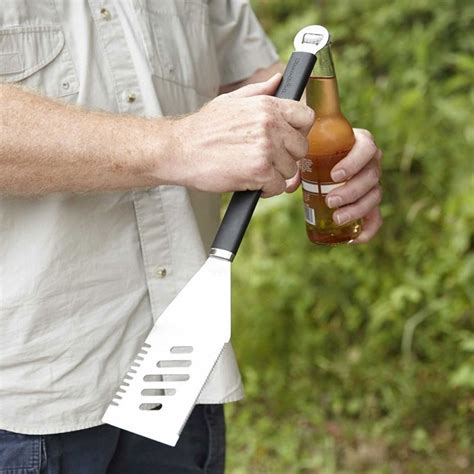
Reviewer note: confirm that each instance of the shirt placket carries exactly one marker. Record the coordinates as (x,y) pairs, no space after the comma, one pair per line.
(117,57)
(150,216)
(156,249)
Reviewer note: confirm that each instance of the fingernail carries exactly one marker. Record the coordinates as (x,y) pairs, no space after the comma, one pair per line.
(338,175)
(341,218)
(334,201)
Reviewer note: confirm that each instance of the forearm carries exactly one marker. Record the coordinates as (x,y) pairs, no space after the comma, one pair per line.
(46,146)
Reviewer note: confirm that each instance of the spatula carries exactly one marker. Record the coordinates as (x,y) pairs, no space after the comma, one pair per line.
(161,388)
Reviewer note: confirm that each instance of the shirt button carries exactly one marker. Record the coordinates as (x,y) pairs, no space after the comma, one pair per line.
(131,97)
(160,272)
(65,85)
(105,14)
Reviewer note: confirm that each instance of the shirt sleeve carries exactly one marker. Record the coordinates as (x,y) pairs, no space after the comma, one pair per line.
(241,44)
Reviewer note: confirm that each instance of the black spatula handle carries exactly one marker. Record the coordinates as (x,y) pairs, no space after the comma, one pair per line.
(243,203)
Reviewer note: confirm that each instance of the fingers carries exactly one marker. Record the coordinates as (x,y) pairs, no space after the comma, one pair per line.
(298,115)
(361,195)
(372,223)
(281,143)
(275,185)
(362,152)
(285,165)
(268,87)
(280,129)
(295,143)
(379,156)
(288,132)
(293,183)
(293,147)
(360,208)
(357,187)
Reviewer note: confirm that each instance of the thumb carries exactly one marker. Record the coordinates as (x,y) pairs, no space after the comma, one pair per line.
(268,87)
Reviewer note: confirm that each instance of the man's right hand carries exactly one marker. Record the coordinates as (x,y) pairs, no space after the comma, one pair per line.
(243,140)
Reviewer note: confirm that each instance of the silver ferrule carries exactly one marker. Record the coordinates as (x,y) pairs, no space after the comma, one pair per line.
(224,254)
(311,39)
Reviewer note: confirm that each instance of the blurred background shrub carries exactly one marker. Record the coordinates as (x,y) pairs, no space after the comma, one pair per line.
(361,359)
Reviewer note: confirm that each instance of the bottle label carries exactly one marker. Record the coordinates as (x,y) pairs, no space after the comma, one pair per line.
(319,188)
(306,166)
(309,215)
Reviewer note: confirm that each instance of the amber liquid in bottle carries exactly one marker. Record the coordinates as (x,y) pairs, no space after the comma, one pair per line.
(330,140)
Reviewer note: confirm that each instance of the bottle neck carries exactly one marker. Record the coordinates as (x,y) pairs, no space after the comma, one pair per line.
(324,66)
(321,93)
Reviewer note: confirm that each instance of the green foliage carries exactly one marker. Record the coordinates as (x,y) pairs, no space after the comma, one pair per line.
(361,359)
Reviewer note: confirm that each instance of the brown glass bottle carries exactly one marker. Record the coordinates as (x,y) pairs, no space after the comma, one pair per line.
(330,140)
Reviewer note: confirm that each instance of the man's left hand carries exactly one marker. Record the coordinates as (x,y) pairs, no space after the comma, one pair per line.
(360,196)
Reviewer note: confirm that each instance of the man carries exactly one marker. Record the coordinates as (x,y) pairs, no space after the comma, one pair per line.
(107,210)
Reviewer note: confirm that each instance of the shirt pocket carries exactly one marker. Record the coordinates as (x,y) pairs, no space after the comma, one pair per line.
(20,454)
(179,43)
(37,57)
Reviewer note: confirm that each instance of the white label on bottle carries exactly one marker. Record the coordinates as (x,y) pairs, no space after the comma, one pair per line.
(320,188)
(309,215)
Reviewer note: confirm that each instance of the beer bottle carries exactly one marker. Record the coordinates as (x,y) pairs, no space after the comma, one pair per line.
(330,140)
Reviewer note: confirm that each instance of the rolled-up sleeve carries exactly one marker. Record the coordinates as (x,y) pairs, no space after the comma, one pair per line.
(241,44)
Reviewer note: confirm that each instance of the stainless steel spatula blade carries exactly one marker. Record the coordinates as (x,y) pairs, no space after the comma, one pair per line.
(164,382)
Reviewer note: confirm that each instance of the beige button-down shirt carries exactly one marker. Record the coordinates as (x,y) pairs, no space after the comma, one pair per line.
(84,277)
